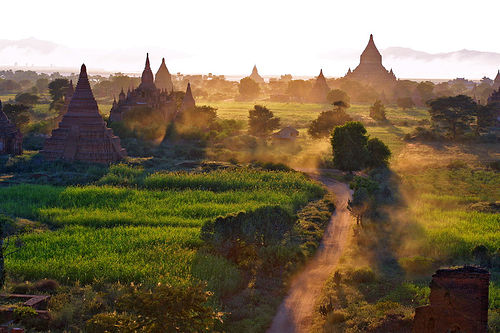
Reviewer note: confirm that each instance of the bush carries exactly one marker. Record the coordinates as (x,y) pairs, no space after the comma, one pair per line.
(361,275)
(417,265)
(326,122)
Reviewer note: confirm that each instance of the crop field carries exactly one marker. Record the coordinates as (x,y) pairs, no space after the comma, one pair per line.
(147,231)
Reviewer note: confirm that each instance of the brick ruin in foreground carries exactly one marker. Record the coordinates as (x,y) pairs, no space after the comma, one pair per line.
(82,134)
(458,302)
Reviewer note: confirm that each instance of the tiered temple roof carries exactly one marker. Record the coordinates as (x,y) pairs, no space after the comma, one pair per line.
(11,139)
(370,69)
(256,76)
(82,134)
(146,95)
(496,82)
(320,89)
(163,79)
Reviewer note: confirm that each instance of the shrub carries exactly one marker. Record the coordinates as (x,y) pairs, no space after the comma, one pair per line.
(361,275)
(417,265)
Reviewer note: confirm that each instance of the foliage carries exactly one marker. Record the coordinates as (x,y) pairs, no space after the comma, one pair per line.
(349,146)
(201,117)
(338,95)
(377,111)
(261,121)
(378,153)
(405,103)
(57,88)
(18,114)
(248,88)
(453,114)
(326,122)
(27,99)
(299,90)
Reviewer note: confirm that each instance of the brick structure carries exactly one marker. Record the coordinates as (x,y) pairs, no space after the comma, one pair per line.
(320,89)
(256,76)
(370,69)
(82,134)
(11,139)
(146,95)
(188,102)
(163,79)
(458,302)
(496,82)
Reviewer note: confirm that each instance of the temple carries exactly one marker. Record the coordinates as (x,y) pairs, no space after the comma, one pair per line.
(82,134)
(458,302)
(370,69)
(256,76)
(11,139)
(188,102)
(320,89)
(496,82)
(163,79)
(146,95)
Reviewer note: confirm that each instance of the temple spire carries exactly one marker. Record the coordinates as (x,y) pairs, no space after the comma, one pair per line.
(147,76)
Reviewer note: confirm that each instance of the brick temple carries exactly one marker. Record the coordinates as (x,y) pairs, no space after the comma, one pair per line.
(188,102)
(370,69)
(256,76)
(458,302)
(82,134)
(320,89)
(154,93)
(11,139)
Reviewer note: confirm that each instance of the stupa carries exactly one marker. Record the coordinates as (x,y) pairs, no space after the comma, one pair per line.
(163,79)
(11,139)
(188,102)
(370,69)
(496,82)
(320,89)
(256,76)
(82,134)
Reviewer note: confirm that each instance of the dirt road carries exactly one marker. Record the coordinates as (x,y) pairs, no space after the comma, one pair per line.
(295,313)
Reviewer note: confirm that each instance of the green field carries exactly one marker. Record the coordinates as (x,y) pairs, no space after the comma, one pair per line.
(147,232)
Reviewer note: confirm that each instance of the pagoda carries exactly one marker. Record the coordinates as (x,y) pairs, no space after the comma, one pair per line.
(370,69)
(320,89)
(188,102)
(82,134)
(11,139)
(496,82)
(256,76)
(163,79)
(146,95)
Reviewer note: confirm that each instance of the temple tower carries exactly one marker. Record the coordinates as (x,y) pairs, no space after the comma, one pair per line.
(256,76)
(188,102)
(370,69)
(320,89)
(147,81)
(496,82)
(82,134)
(11,139)
(163,79)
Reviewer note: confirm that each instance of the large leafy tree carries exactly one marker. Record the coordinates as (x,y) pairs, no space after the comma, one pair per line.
(261,121)
(349,146)
(453,114)
(378,153)
(327,120)
(17,113)
(57,88)
(377,111)
(248,88)
(337,95)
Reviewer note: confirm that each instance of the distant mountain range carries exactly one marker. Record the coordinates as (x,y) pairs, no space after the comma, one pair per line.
(406,63)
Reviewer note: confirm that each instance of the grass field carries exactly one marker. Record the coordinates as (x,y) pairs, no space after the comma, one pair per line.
(148,232)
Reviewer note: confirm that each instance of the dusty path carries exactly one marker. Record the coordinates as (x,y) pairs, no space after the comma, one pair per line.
(295,313)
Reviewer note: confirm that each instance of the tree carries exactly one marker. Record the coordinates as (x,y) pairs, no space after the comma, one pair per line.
(201,117)
(326,122)
(378,153)
(336,95)
(405,103)
(27,98)
(57,88)
(359,204)
(453,114)
(377,111)
(17,113)
(299,90)
(261,121)
(42,85)
(426,90)
(485,117)
(248,88)
(349,146)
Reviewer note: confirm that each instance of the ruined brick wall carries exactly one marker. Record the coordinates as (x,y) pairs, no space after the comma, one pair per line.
(458,302)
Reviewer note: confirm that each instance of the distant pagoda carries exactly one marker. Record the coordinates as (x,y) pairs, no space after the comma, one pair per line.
(11,139)
(188,102)
(320,89)
(496,82)
(163,79)
(370,69)
(256,76)
(146,95)
(82,134)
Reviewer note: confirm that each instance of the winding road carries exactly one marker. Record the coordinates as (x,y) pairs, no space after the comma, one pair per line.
(296,312)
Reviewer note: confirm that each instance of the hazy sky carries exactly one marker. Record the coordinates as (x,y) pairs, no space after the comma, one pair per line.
(230,36)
